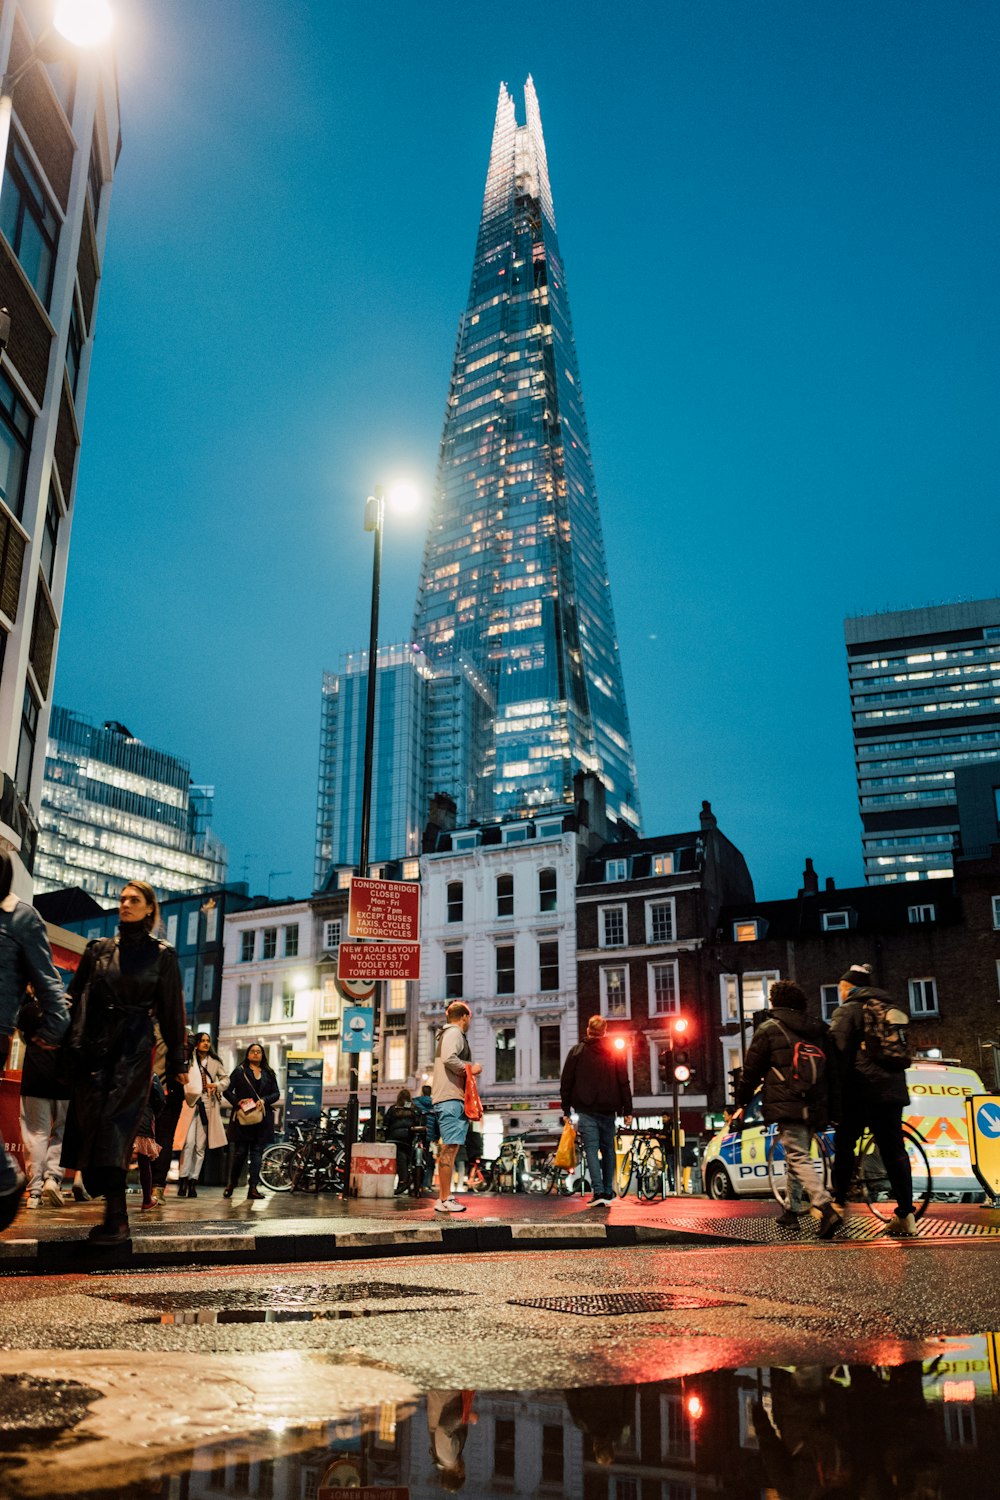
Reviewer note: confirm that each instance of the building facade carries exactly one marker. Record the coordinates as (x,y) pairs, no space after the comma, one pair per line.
(647,913)
(935,949)
(925,703)
(514,578)
(55,198)
(115,809)
(498,928)
(270,984)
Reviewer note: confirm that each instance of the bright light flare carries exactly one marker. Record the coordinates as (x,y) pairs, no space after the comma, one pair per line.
(682,1073)
(619,1044)
(85,23)
(403,498)
(300,981)
(681,1025)
(695,1407)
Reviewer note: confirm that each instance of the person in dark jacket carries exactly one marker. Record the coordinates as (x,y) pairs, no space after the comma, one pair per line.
(796,1112)
(25,957)
(123,986)
(874,1095)
(595,1085)
(424,1106)
(398,1124)
(250,1082)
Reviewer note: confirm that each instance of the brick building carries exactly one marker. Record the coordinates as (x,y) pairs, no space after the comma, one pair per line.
(648,911)
(934,946)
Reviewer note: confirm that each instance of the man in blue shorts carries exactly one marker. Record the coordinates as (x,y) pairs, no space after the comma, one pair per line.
(452,1055)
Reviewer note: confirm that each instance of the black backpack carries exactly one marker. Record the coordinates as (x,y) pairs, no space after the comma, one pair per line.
(884,1039)
(807,1071)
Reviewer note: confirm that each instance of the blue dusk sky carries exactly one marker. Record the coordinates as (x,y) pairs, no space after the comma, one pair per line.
(780,227)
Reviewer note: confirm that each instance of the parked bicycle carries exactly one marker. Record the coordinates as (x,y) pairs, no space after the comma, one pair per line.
(546,1177)
(312,1160)
(509,1172)
(646,1159)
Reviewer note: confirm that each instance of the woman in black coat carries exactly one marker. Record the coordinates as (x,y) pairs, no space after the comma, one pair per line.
(123,986)
(250,1082)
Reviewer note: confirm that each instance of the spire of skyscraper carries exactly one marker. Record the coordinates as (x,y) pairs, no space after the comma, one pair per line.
(514,592)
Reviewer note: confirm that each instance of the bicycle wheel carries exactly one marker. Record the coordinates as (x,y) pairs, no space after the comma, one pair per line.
(650,1174)
(543,1178)
(278,1168)
(623,1176)
(872,1179)
(777,1175)
(484,1183)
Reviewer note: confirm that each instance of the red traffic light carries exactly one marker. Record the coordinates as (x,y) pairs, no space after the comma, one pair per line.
(679,1025)
(682,1073)
(618,1043)
(695,1407)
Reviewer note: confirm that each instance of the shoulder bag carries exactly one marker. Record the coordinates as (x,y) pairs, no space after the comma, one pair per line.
(255,1114)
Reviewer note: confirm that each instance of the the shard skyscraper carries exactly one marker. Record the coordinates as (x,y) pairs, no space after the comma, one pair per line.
(514,605)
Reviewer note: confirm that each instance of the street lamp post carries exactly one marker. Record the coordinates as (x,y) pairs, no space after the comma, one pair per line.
(374,521)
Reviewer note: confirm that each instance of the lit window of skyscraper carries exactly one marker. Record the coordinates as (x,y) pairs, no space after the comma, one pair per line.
(514,578)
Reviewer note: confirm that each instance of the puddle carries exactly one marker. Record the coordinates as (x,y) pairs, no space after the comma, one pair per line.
(192,1316)
(925,1430)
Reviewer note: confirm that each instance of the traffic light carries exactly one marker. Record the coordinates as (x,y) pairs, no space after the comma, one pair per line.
(683,1069)
(735,1074)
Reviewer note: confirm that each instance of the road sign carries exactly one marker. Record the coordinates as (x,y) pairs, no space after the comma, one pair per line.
(357,1028)
(362,962)
(360,991)
(388,910)
(982,1112)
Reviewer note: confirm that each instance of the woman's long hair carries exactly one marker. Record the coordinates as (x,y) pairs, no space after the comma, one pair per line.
(245,1060)
(193,1045)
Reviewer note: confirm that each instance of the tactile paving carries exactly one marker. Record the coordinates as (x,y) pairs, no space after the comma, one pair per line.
(764,1229)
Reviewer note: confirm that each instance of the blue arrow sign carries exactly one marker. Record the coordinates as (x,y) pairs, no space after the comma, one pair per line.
(988,1120)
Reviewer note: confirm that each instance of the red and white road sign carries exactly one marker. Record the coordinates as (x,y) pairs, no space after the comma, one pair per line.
(388,910)
(358,962)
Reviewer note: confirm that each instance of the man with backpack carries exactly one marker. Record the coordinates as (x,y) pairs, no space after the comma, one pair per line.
(790,1055)
(870,1033)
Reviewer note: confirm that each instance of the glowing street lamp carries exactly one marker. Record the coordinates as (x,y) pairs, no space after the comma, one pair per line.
(84,23)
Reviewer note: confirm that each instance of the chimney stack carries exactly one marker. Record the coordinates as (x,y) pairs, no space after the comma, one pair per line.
(831,884)
(810,880)
(708,818)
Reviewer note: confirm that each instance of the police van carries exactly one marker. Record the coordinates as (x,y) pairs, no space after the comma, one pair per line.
(735,1161)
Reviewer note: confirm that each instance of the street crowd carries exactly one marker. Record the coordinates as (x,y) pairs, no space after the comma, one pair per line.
(110,1078)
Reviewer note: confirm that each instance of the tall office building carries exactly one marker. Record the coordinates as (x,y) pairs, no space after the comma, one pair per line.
(514,580)
(925,702)
(114,809)
(54,202)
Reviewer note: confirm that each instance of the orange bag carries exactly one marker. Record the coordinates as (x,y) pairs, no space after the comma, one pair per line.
(566,1151)
(473,1103)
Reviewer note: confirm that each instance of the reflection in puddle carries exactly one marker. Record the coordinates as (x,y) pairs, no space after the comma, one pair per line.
(271,1315)
(927,1430)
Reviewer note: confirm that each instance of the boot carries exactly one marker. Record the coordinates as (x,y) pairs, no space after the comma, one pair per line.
(192,1190)
(182,1187)
(114,1230)
(228,1190)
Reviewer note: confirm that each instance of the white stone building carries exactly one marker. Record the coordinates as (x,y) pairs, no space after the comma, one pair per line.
(498,930)
(270,984)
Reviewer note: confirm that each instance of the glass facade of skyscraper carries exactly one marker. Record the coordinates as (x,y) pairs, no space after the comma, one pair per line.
(925,702)
(115,809)
(514,580)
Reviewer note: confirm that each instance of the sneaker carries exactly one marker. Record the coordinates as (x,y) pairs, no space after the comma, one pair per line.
(10,1198)
(52,1193)
(829,1222)
(449,1206)
(33,1200)
(901,1225)
(599,1201)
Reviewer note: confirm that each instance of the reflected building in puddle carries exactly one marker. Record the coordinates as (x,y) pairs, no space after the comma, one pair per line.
(914,1431)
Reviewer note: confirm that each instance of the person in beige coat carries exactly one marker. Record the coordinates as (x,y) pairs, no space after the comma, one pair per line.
(200,1124)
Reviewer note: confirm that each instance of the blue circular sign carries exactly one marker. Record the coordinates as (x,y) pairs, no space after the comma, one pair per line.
(988,1120)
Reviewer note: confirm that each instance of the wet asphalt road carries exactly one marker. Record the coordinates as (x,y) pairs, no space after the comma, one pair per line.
(162,1362)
